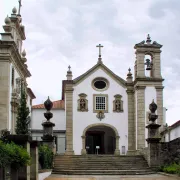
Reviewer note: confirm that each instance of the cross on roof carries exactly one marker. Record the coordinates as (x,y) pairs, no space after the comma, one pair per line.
(19,10)
(99,46)
(69,67)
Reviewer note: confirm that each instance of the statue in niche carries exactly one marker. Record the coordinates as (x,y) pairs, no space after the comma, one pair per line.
(82,103)
(117,104)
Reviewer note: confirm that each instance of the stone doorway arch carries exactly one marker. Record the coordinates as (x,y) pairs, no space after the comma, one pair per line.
(83,151)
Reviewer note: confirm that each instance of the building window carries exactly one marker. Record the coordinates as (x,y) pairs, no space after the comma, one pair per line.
(100,103)
(100,84)
(12,77)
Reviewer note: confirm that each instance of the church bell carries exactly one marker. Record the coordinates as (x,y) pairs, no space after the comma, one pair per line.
(149,64)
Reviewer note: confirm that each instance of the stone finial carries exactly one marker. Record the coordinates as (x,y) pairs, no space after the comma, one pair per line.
(129,72)
(69,73)
(148,41)
(14,10)
(7,20)
(24,53)
(48,104)
(153,107)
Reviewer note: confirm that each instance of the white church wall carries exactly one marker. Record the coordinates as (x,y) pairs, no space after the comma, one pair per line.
(175,133)
(82,119)
(150,94)
(58,118)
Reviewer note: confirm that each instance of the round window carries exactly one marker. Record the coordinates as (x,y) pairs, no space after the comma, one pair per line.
(99,84)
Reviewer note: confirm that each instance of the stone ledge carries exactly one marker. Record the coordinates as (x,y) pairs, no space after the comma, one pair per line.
(171,175)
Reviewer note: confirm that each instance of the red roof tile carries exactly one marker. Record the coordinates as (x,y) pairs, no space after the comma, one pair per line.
(56,105)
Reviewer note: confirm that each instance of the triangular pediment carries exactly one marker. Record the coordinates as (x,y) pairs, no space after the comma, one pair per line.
(99,65)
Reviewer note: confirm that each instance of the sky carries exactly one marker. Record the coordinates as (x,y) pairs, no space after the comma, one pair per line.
(61,33)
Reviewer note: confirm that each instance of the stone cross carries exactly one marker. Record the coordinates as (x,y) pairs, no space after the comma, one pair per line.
(99,46)
(69,67)
(19,11)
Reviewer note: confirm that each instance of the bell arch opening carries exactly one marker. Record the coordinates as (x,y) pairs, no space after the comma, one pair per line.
(100,139)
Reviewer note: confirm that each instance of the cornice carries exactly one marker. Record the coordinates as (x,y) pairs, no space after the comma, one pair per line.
(12,55)
(148,79)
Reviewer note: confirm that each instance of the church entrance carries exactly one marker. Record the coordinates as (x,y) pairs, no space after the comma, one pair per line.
(100,140)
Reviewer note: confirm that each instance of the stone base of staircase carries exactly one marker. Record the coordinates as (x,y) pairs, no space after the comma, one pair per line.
(100,165)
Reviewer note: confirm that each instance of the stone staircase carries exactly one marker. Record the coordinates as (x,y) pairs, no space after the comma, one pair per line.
(100,165)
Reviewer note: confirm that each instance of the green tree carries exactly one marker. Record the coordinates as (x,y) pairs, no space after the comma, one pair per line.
(22,121)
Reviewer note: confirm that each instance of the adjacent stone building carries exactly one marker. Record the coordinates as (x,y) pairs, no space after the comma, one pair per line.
(105,113)
(13,70)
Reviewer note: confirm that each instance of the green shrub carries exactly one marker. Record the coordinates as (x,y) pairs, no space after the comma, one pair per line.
(5,159)
(45,157)
(14,155)
(172,169)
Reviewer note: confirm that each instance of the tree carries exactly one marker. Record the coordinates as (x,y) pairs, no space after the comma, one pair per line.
(22,121)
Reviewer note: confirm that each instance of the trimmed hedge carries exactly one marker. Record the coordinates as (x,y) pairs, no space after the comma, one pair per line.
(13,155)
(45,157)
(171,169)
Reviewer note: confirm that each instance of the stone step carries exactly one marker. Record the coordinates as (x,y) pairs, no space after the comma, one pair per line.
(102,172)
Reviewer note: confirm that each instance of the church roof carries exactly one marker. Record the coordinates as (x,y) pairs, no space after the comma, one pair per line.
(105,68)
(59,104)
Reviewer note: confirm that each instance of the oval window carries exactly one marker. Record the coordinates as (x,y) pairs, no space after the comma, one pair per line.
(100,84)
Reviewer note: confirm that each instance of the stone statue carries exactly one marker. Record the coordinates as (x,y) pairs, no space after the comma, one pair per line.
(118,105)
(82,104)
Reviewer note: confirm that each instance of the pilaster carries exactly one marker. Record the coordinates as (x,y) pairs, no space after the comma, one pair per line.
(140,64)
(69,117)
(159,100)
(131,119)
(140,116)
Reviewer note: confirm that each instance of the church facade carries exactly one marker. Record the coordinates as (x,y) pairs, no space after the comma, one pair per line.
(103,113)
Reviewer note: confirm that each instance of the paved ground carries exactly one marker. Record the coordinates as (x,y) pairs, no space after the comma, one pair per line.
(134,177)
(42,176)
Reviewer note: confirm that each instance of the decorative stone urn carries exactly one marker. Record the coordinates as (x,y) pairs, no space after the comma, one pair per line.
(48,137)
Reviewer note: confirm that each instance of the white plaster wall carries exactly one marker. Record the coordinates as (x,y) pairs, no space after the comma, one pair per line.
(150,94)
(166,137)
(37,118)
(175,133)
(82,119)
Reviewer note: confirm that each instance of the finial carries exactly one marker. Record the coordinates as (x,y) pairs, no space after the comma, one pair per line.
(7,20)
(24,53)
(20,5)
(14,10)
(148,41)
(48,104)
(129,70)
(69,67)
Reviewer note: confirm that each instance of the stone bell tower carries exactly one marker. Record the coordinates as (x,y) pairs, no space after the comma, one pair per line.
(147,86)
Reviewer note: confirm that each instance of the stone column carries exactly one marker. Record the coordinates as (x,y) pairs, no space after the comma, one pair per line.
(140,64)
(34,160)
(131,119)
(159,100)
(157,65)
(140,116)
(117,151)
(153,138)
(83,151)
(69,117)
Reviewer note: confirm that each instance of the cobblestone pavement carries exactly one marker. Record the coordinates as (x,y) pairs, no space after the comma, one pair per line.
(134,177)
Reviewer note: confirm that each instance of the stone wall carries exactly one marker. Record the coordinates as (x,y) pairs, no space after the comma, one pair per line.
(170,152)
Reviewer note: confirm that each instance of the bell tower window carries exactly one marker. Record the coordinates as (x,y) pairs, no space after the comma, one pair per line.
(148,65)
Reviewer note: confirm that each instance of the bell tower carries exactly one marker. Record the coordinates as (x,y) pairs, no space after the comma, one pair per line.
(147,86)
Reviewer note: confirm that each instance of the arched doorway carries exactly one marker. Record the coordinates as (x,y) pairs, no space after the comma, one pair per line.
(100,135)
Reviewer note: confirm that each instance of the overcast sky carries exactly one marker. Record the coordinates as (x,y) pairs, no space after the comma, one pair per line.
(65,32)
